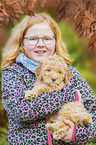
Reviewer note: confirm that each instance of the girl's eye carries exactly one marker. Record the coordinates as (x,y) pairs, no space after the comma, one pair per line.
(46,39)
(32,39)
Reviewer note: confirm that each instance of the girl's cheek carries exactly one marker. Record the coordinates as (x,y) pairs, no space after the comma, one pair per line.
(28,47)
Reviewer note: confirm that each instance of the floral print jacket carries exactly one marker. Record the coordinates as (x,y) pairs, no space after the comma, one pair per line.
(27,119)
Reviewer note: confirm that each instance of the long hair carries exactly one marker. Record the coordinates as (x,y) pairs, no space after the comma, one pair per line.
(14,44)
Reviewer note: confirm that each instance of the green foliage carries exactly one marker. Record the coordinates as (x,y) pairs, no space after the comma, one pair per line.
(3,136)
(93,142)
(3,126)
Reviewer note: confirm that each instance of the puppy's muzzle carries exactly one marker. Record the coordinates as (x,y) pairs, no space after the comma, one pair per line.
(53,79)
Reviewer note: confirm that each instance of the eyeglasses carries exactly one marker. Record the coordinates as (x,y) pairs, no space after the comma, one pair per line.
(33,40)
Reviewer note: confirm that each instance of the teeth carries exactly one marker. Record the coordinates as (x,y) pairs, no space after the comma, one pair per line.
(40,51)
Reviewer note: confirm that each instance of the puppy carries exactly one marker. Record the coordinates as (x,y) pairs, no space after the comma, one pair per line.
(52,74)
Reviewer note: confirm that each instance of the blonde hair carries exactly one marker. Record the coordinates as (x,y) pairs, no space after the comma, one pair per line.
(13,45)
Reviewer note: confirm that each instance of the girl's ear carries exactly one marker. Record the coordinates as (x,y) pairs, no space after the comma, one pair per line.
(67,76)
(38,70)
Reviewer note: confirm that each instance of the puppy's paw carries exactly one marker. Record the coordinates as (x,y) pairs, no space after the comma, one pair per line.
(59,134)
(85,119)
(29,95)
(50,127)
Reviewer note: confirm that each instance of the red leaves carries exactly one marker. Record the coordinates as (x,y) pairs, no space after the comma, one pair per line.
(92,41)
(84,21)
(3,17)
(83,13)
(11,9)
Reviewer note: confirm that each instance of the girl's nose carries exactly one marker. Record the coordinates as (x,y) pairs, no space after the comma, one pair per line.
(40,42)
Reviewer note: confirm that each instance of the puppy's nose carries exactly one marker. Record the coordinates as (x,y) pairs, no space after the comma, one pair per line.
(53,79)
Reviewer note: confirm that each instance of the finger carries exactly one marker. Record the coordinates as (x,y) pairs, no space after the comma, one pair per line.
(68,122)
(66,140)
(68,136)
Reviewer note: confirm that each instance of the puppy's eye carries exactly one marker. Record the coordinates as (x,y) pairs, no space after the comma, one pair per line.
(60,72)
(49,70)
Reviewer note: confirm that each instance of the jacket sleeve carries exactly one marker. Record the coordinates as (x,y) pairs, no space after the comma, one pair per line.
(22,110)
(84,134)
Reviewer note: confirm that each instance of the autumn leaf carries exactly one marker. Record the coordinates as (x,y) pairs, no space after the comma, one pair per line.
(83,13)
(92,6)
(42,2)
(11,9)
(84,21)
(92,40)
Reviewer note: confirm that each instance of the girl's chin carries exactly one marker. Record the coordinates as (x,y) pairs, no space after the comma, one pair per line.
(41,54)
(39,58)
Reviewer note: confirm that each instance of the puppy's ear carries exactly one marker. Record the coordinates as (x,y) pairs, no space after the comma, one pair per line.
(38,70)
(67,76)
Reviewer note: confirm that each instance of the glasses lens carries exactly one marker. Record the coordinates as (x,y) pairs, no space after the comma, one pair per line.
(48,39)
(32,40)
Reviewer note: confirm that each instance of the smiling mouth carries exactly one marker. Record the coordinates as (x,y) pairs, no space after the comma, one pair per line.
(40,51)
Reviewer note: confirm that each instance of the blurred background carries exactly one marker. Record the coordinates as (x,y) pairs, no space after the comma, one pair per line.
(83,59)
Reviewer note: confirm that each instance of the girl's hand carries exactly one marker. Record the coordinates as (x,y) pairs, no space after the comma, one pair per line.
(69,134)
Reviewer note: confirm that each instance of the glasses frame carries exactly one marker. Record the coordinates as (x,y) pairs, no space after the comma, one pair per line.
(38,39)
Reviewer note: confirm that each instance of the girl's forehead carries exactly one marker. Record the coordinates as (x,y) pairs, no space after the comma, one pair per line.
(40,29)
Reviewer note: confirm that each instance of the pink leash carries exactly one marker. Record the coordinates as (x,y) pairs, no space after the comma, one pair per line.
(49,137)
(74,131)
(77,95)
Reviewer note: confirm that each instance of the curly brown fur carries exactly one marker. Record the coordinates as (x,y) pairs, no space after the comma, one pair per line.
(73,111)
(52,74)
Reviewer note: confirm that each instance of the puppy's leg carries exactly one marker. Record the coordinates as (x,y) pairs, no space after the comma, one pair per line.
(60,133)
(35,92)
(31,94)
(83,118)
(58,129)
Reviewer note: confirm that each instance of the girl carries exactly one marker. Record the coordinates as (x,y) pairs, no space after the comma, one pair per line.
(35,38)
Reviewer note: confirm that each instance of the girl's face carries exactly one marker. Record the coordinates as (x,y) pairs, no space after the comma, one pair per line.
(39,41)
